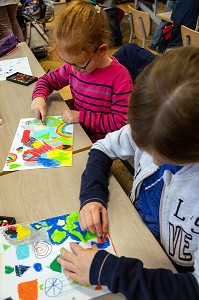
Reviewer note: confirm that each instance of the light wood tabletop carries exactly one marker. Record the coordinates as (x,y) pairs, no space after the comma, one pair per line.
(166,16)
(15,101)
(36,194)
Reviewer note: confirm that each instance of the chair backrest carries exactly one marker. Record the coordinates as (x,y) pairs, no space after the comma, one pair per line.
(189,36)
(141,24)
(134,58)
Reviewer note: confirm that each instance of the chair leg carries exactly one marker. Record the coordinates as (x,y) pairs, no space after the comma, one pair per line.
(131,27)
(143,32)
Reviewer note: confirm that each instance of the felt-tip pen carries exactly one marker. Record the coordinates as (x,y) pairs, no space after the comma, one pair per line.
(102,238)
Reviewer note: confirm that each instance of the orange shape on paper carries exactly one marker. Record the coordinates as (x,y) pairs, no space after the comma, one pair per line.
(28,290)
(98,287)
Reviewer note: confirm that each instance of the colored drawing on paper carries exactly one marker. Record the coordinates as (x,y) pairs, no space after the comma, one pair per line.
(11,66)
(38,145)
(29,260)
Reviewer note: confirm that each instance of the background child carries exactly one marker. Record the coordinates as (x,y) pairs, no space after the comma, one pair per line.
(40,10)
(163,138)
(100,86)
(8,19)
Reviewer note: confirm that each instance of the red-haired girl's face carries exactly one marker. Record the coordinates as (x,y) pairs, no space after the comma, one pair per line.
(99,59)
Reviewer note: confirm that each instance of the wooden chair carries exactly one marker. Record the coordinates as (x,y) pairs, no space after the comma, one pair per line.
(141,24)
(189,36)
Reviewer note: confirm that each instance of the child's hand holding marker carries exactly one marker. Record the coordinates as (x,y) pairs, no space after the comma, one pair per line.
(93,216)
(38,106)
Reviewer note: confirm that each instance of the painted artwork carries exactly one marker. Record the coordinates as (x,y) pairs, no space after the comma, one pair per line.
(38,145)
(28,255)
(11,66)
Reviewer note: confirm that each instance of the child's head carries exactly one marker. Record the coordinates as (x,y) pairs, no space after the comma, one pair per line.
(164,108)
(81,29)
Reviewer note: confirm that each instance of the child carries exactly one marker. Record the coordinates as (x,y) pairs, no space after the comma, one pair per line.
(163,137)
(100,86)
(40,10)
(158,32)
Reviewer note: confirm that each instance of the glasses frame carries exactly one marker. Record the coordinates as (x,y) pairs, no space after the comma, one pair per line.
(86,65)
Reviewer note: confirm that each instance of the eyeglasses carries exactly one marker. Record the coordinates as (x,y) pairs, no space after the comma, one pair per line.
(86,65)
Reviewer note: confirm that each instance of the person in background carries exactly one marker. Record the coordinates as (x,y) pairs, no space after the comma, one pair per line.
(40,10)
(99,84)
(158,32)
(184,13)
(8,19)
(163,138)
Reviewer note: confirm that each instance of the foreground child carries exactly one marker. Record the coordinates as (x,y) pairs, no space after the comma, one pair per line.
(163,137)
(100,86)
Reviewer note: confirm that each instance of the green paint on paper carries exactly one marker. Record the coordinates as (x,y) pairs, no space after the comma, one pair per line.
(44,136)
(64,140)
(14,166)
(89,236)
(9,269)
(71,227)
(55,266)
(57,236)
(41,287)
(6,247)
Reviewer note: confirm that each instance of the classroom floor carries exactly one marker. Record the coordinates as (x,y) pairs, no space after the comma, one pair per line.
(124,177)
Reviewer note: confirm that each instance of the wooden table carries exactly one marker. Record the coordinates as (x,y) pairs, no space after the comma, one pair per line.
(36,194)
(166,16)
(15,103)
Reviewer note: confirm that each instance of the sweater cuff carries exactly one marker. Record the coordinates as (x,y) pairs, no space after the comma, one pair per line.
(102,268)
(81,116)
(82,203)
(39,95)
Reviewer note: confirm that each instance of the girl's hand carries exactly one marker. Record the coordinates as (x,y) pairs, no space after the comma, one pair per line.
(76,265)
(38,106)
(70,116)
(93,216)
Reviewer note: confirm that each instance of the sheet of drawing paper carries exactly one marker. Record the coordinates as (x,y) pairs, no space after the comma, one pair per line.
(28,260)
(38,145)
(11,66)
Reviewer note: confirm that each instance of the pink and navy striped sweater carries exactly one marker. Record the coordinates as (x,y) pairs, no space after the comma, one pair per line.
(101,97)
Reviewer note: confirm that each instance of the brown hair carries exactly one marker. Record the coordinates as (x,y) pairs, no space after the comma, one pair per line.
(81,28)
(164,107)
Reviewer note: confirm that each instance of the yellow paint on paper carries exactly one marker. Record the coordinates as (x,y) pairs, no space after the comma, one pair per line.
(22,232)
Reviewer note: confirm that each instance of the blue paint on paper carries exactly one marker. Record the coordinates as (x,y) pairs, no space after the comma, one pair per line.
(38,267)
(22,251)
(102,245)
(46,162)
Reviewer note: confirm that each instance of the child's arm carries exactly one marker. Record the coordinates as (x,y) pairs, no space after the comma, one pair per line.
(47,83)
(95,178)
(126,275)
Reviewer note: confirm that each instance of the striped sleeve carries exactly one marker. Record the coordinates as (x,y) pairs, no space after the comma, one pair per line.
(47,83)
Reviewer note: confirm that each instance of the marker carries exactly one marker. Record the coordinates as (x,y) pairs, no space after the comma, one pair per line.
(12,50)
(102,238)
(4,223)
